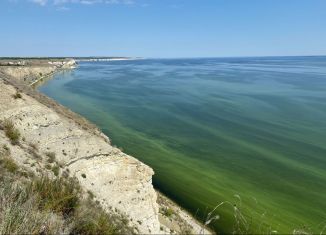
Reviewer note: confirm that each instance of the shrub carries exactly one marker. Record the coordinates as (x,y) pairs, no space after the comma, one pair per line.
(9,164)
(17,95)
(83,175)
(55,170)
(168,212)
(5,147)
(11,132)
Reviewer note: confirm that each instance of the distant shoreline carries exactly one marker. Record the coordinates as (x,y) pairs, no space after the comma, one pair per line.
(108,59)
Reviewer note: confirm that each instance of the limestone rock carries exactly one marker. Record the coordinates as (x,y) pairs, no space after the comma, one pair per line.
(118,181)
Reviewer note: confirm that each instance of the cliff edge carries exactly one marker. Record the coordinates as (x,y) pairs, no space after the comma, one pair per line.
(119,183)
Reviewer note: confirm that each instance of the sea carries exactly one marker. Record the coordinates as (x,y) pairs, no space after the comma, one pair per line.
(241,141)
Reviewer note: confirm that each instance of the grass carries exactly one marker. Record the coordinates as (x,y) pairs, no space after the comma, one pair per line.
(57,195)
(11,132)
(19,213)
(94,223)
(42,205)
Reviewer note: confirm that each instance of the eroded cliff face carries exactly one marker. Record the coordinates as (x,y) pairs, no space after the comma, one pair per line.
(30,71)
(120,183)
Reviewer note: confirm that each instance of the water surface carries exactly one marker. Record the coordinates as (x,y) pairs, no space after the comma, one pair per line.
(217,130)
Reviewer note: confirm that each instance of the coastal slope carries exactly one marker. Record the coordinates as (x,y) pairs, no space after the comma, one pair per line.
(119,183)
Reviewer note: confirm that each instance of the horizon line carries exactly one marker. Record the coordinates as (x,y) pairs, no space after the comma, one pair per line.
(142,57)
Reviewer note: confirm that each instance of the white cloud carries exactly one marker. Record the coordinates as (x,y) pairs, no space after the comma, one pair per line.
(85,2)
(65,5)
(40,2)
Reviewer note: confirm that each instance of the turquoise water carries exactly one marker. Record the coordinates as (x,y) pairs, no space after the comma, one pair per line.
(217,130)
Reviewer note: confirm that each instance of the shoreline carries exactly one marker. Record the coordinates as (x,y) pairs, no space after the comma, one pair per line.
(178,222)
(108,59)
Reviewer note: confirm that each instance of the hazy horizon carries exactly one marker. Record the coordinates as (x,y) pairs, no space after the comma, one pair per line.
(139,57)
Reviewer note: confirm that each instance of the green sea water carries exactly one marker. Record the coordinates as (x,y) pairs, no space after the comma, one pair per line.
(250,131)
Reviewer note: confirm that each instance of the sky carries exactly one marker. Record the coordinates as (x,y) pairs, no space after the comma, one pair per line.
(162,28)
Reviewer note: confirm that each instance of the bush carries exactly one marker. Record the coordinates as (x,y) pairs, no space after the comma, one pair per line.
(5,147)
(55,170)
(9,164)
(168,212)
(11,132)
(58,195)
(17,95)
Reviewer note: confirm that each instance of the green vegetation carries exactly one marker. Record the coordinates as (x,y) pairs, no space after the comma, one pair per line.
(11,132)
(168,212)
(42,205)
(20,214)
(55,169)
(5,147)
(94,223)
(56,195)
(17,95)
(83,175)
(8,164)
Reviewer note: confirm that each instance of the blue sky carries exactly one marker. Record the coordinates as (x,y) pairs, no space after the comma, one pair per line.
(162,28)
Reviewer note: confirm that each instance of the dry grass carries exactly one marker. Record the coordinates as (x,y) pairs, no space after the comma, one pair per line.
(8,164)
(41,205)
(11,132)
(57,195)
(19,213)
(90,223)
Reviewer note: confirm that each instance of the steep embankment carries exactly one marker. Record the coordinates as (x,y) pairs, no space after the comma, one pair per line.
(120,183)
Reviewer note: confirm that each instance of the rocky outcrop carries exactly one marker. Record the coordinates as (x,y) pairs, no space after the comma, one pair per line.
(32,71)
(119,182)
